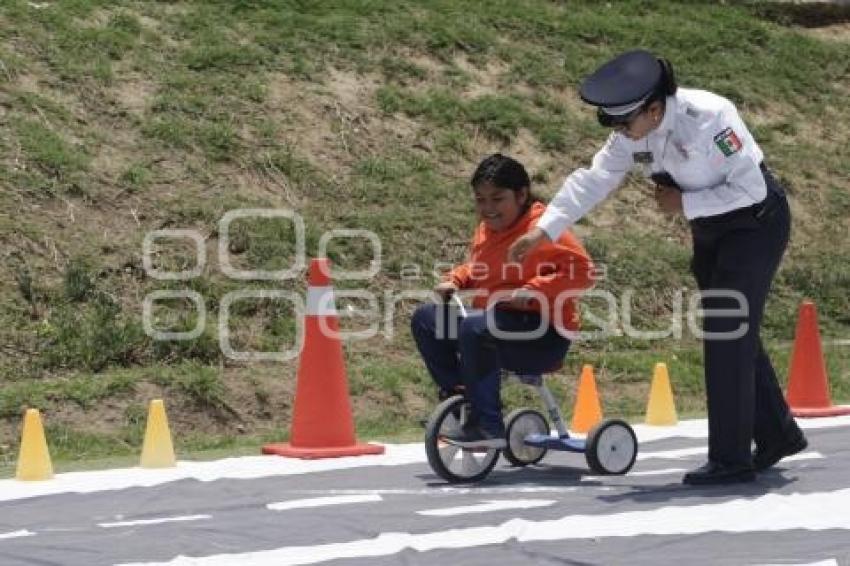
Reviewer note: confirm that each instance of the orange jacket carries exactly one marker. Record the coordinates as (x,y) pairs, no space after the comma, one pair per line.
(550,269)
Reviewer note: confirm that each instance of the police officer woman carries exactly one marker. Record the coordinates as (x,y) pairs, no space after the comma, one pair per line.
(706,164)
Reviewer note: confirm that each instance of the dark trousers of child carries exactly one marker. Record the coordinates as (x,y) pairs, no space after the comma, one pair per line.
(464,351)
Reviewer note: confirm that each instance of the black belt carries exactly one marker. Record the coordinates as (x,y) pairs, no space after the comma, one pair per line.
(758,210)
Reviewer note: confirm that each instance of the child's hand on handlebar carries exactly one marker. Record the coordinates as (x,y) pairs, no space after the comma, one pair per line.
(446,289)
(520,299)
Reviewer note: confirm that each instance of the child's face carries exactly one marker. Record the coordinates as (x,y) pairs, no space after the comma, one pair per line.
(499,208)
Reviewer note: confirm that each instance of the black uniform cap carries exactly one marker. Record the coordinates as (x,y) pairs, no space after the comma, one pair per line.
(627,79)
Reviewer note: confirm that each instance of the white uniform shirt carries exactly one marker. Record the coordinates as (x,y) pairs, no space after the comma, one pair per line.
(701,142)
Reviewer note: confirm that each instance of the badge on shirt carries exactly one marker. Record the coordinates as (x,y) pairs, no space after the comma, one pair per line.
(643,157)
(727,141)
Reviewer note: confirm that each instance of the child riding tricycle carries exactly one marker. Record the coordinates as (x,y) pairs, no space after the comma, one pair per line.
(521,318)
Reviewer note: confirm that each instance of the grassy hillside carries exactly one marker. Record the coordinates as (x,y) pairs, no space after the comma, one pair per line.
(123,117)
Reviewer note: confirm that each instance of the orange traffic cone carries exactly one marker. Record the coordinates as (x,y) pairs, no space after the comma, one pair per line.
(322,424)
(808,387)
(587,411)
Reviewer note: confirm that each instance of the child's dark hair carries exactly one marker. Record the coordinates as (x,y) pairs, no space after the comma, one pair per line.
(503,172)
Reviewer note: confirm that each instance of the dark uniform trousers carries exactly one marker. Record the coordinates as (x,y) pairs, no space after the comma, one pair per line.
(740,251)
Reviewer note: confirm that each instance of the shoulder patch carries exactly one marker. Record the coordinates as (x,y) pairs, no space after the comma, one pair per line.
(691,112)
(728,142)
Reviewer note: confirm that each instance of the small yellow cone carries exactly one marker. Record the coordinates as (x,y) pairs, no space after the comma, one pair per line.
(34,458)
(158,451)
(661,410)
(587,411)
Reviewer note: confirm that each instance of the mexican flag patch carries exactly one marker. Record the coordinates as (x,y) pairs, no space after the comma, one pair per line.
(728,142)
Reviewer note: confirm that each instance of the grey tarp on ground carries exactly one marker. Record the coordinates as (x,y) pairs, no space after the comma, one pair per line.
(66,530)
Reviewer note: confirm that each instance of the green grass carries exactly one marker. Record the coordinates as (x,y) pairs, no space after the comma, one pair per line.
(49,151)
(124,117)
(85,390)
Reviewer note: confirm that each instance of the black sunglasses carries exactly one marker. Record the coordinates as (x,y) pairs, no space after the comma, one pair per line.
(612,121)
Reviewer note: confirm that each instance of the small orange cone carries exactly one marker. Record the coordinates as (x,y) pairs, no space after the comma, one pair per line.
(322,424)
(34,458)
(587,411)
(157,450)
(808,384)
(661,409)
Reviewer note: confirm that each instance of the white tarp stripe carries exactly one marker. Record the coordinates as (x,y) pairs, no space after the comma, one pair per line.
(644,473)
(446,490)
(253,467)
(16,534)
(664,472)
(320,301)
(684,453)
(142,522)
(698,428)
(324,501)
(677,454)
(802,456)
(488,507)
(824,422)
(241,468)
(768,513)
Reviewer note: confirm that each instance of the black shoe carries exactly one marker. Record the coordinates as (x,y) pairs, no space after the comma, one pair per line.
(764,458)
(476,437)
(713,473)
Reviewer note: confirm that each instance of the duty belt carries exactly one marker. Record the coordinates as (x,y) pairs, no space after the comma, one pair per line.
(758,210)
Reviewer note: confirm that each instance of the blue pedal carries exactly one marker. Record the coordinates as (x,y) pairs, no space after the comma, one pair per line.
(554,443)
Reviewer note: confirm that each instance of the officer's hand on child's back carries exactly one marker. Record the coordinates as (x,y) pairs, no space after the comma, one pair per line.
(525,243)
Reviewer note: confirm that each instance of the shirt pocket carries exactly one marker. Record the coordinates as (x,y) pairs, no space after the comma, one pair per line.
(697,172)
